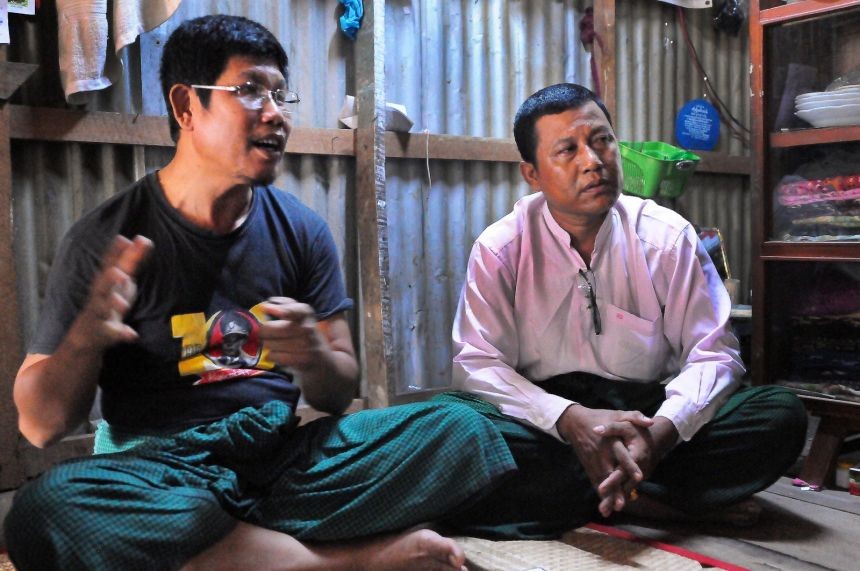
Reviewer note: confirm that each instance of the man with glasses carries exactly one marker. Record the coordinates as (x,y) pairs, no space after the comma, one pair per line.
(598,329)
(200,463)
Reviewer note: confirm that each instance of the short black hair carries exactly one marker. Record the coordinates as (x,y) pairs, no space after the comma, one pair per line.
(198,50)
(549,101)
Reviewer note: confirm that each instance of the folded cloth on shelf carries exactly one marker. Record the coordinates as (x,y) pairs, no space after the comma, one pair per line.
(831,221)
(803,191)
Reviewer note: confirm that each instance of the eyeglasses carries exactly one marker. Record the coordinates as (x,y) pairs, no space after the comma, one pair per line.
(253,95)
(592,300)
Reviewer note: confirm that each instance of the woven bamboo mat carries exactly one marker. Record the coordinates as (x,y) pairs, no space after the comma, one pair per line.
(581,549)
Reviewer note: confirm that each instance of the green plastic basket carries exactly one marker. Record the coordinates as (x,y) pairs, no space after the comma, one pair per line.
(654,168)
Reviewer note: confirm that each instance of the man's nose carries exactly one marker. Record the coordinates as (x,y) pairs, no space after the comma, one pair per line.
(589,159)
(271,112)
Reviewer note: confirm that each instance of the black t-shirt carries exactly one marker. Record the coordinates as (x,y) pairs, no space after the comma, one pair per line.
(198,357)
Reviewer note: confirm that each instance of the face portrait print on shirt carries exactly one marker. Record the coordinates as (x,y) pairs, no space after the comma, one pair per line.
(232,339)
(225,346)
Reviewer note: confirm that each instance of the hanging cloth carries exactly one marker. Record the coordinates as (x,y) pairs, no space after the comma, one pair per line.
(588,36)
(350,22)
(85,63)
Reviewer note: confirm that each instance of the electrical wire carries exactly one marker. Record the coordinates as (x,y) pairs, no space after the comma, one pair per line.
(722,109)
(427,157)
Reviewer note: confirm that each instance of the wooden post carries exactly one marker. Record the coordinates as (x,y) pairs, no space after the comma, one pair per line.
(371,205)
(11,473)
(604,27)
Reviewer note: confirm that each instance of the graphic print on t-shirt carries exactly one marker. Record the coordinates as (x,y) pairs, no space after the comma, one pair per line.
(225,346)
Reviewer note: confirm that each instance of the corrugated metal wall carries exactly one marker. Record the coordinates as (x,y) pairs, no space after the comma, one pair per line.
(461,67)
(656,77)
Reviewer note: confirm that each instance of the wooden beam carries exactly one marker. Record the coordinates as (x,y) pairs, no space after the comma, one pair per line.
(760,198)
(820,136)
(721,163)
(11,474)
(808,8)
(371,206)
(450,147)
(68,126)
(12,75)
(604,51)
(457,148)
(64,125)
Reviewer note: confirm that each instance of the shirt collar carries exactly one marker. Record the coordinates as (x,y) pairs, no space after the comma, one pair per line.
(563,237)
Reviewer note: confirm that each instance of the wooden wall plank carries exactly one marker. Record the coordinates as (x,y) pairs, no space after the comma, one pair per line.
(604,51)
(64,125)
(371,206)
(11,352)
(450,147)
(12,75)
(719,163)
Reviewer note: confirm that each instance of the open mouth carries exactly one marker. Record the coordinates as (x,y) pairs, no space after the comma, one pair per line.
(272,144)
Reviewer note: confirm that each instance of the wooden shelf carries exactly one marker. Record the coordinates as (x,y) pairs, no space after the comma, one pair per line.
(450,147)
(824,135)
(811,251)
(721,163)
(453,147)
(795,10)
(68,126)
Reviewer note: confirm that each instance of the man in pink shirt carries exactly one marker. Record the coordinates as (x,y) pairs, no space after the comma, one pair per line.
(597,327)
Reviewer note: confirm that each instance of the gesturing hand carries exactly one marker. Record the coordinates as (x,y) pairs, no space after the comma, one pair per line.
(112,292)
(607,461)
(292,335)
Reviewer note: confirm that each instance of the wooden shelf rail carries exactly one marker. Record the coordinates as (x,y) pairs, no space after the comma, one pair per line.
(69,126)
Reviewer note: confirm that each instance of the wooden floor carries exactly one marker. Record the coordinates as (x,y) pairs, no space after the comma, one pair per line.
(798,531)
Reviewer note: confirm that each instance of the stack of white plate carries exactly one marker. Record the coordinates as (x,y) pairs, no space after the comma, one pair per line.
(836,108)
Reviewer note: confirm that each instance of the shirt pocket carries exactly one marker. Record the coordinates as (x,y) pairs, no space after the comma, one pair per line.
(632,347)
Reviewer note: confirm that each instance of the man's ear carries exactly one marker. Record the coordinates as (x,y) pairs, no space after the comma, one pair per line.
(529,172)
(180,103)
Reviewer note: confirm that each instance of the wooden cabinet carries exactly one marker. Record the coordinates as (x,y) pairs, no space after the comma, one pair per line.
(806,179)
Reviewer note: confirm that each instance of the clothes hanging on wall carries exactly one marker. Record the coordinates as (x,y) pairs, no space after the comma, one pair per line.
(86,65)
(350,22)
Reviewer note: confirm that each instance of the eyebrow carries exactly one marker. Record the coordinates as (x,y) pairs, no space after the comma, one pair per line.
(563,141)
(263,78)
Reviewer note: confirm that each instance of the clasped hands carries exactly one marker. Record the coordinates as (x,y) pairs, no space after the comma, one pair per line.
(617,449)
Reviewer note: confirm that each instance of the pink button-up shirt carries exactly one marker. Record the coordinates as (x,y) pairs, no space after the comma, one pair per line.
(524,315)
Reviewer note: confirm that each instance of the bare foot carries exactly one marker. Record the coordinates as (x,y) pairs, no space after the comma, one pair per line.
(422,549)
(254,549)
(742,514)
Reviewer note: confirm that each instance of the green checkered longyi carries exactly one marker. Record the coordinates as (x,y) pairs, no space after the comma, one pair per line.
(159,504)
